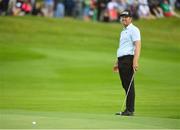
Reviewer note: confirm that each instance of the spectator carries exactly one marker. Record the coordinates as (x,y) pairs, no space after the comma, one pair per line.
(106,16)
(32,2)
(69,7)
(86,10)
(17,9)
(133,7)
(37,9)
(112,10)
(122,5)
(49,6)
(177,4)
(26,7)
(4,7)
(11,5)
(167,10)
(155,8)
(172,4)
(143,10)
(78,9)
(101,9)
(59,9)
(93,10)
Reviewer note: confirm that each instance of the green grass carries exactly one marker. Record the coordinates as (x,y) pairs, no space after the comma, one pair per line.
(58,72)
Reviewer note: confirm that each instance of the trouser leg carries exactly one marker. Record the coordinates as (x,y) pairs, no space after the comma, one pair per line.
(126,73)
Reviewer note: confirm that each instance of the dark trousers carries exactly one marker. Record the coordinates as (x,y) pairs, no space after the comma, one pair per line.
(125,65)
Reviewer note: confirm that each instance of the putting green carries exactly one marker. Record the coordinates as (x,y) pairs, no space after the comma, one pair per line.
(58,73)
(46,120)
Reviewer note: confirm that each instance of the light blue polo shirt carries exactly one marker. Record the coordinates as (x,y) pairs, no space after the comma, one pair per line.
(128,36)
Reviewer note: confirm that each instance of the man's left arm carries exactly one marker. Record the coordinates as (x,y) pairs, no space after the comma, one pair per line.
(136,54)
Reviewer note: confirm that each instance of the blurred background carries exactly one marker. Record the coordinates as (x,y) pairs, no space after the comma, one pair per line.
(96,10)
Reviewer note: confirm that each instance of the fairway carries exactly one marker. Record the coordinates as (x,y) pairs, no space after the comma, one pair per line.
(58,73)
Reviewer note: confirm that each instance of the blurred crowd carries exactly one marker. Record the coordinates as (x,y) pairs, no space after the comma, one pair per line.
(97,10)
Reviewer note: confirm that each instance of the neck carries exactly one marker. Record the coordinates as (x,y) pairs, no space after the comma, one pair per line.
(126,25)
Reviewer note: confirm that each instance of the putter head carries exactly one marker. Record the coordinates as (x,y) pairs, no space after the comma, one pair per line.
(118,113)
(125,113)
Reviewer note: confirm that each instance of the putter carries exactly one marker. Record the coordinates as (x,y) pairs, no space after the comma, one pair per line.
(127,91)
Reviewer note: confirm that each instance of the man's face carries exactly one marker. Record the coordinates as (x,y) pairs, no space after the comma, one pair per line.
(125,20)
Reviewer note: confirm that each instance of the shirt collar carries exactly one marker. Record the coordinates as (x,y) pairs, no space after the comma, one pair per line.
(128,26)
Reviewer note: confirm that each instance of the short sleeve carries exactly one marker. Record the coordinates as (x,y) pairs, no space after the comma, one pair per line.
(136,36)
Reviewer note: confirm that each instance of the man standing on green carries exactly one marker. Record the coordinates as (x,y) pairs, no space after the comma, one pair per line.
(128,55)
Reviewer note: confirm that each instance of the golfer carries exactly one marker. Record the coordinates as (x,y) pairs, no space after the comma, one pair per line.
(127,62)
